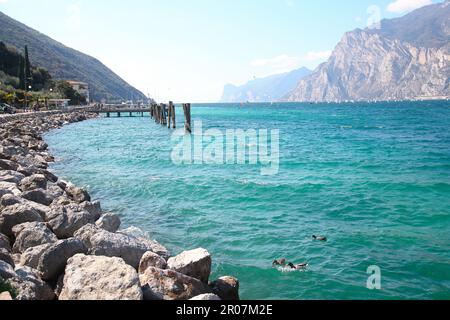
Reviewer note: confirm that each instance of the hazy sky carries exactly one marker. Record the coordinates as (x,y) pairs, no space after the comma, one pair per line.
(189,49)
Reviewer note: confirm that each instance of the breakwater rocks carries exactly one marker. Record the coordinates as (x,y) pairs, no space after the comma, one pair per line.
(56,243)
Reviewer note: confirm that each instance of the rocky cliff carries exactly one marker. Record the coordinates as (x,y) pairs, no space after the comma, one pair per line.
(406,58)
(266,89)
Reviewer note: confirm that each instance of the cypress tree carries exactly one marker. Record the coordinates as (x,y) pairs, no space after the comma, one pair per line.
(28,74)
(22,82)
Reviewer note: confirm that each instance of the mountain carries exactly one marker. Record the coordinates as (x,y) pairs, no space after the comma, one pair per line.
(406,58)
(66,63)
(267,89)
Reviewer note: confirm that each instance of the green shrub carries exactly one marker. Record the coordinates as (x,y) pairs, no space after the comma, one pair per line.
(5,286)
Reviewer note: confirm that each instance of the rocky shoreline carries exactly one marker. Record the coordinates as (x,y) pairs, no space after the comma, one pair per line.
(58,244)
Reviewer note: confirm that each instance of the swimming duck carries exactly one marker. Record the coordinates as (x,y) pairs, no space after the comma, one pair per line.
(300,266)
(320,238)
(280,262)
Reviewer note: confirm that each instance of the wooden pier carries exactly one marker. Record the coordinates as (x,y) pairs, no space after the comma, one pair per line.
(163,114)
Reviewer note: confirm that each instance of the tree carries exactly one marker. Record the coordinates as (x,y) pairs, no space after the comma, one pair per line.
(22,82)
(66,90)
(28,74)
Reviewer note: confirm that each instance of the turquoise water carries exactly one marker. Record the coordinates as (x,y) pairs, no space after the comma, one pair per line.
(373,178)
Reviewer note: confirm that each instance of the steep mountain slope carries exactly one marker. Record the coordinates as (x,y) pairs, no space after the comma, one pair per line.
(66,63)
(407,58)
(267,89)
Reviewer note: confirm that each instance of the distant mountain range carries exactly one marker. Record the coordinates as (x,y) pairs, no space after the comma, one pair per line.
(406,58)
(66,63)
(267,89)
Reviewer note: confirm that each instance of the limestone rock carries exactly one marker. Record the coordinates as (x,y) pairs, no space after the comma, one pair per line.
(6,256)
(158,284)
(29,286)
(104,243)
(38,196)
(9,188)
(4,242)
(6,270)
(53,261)
(227,288)
(32,255)
(36,181)
(11,176)
(109,222)
(9,200)
(150,259)
(17,214)
(194,263)
(86,232)
(404,58)
(77,194)
(66,220)
(100,278)
(8,165)
(31,234)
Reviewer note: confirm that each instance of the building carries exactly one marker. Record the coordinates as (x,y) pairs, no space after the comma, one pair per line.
(59,104)
(82,88)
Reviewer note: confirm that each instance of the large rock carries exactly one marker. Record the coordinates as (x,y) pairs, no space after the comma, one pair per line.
(4,242)
(36,181)
(109,222)
(66,220)
(55,191)
(11,176)
(93,208)
(77,194)
(53,261)
(158,284)
(6,256)
(227,288)
(206,297)
(17,214)
(29,286)
(8,165)
(32,234)
(150,259)
(6,270)
(194,263)
(39,196)
(9,200)
(130,249)
(32,255)
(86,232)
(100,278)
(9,188)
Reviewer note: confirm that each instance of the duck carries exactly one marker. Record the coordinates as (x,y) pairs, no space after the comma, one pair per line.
(279,262)
(300,266)
(320,238)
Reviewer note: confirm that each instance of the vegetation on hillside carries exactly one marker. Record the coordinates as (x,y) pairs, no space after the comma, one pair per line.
(22,83)
(66,63)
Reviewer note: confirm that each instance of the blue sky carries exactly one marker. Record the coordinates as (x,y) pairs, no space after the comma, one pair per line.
(187,50)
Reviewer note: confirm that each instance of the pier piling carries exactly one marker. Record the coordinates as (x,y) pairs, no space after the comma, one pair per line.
(187,117)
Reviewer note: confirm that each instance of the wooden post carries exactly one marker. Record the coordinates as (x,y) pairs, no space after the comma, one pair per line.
(164,115)
(187,117)
(171,115)
(174,120)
